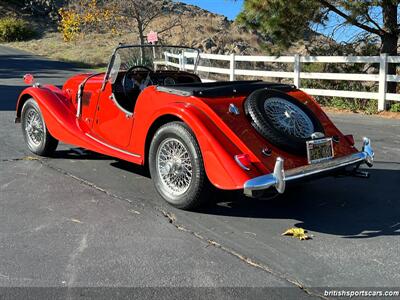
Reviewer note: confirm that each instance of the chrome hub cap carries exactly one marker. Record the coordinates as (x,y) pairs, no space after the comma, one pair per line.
(288,117)
(34,127)
(174,166)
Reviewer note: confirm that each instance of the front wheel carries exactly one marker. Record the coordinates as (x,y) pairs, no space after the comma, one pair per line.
(37,137)
(176,167)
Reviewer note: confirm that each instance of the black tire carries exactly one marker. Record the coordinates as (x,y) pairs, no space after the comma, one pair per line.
(254,108)
(47,144)
(197,191)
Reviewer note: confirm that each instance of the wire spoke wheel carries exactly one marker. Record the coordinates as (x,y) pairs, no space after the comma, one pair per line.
(34,127)
(288,118)
(36,136)
(174,166)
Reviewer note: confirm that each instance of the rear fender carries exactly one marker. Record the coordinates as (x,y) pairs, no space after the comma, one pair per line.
(217,149)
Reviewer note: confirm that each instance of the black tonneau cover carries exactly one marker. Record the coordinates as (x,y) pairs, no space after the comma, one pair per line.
(222,88)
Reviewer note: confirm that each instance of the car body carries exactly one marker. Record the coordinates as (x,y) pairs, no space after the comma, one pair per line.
(119,113)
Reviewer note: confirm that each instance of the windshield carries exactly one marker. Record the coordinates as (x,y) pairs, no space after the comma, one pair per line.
(154,57)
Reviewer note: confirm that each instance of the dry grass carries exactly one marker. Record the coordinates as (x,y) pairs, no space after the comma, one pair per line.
(94,49)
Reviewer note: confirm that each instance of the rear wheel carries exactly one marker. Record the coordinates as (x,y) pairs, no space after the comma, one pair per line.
(176,167)
(37,137)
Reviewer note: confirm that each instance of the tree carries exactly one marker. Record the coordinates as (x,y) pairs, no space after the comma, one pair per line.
(43,7)
(141,13)
(285,22)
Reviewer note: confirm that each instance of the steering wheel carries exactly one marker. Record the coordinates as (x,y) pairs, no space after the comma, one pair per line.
(125,86)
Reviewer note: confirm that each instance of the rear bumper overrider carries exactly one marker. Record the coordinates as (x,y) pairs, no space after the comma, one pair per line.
(279,177)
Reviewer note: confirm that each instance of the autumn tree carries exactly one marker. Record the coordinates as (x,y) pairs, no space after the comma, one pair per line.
(285,22)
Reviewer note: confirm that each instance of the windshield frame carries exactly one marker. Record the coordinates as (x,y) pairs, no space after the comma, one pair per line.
(123,46)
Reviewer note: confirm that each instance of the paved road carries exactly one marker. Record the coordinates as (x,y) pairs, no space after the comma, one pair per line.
(94,221)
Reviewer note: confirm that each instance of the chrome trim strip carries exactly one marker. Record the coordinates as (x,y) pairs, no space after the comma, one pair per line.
(171,90)
(240,164)
(81,87)
(279,177)
(114,100)
(112,147)
(79,100)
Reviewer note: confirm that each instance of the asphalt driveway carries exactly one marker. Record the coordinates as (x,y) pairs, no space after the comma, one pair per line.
(89,220)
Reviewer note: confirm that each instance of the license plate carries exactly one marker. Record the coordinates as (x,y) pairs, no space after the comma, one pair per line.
(319,150)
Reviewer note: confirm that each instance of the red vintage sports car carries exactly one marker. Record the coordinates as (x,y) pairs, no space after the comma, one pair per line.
(153,111)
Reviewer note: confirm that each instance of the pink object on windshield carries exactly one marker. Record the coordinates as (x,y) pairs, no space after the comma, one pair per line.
(152,37)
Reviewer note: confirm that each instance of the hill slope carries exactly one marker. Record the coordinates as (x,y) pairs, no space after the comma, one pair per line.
(210,32)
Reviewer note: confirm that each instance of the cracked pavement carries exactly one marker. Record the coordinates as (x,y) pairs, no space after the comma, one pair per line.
(89,220)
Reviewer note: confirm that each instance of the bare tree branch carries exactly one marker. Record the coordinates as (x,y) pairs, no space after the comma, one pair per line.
(143,12)
(368,17)
(350,19)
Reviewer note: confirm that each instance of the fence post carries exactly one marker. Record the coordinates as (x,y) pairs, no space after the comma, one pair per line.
(297,70)
(232,67)
(184,62)
(382,82)
(180,61)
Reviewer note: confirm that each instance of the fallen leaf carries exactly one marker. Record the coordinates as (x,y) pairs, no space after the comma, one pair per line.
(30,158)
(299,233)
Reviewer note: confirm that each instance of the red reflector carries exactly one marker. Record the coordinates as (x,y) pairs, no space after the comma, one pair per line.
(350,138)
(243,160)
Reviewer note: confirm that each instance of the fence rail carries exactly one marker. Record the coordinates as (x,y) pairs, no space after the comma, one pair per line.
(296,75)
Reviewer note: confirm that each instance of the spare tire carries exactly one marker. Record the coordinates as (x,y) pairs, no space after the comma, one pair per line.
(281,119)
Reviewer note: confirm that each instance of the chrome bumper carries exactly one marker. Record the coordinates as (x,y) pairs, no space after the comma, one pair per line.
(279,177)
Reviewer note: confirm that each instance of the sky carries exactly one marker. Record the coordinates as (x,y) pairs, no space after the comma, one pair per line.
(231,9)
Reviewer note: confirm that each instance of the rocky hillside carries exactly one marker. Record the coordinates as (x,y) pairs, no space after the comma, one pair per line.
(202,29)
(214,33)
(199,28)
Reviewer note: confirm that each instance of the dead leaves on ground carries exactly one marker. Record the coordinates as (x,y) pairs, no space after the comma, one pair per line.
(298,233)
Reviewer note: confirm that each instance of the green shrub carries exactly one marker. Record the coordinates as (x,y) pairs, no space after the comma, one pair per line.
(356,105)
(13,29)
(395,107)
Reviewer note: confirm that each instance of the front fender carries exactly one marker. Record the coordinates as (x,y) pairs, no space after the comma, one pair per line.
(56,109)
(217,149)
(59,115)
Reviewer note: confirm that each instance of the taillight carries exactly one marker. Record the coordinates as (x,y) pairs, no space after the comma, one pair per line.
(243,160)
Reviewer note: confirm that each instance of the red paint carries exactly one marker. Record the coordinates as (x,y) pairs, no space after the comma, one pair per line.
(106,129)
(29,79)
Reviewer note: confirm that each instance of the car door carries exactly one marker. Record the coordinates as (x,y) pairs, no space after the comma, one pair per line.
(112,123)
(90,97)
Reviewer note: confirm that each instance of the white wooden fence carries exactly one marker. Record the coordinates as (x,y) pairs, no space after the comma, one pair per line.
(181,62)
